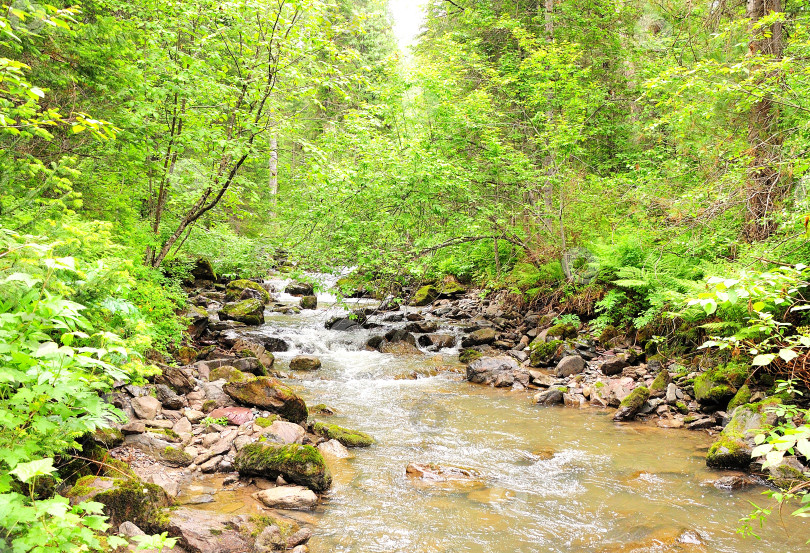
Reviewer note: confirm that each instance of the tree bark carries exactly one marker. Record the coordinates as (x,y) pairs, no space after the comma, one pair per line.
(764,141)
(272,166)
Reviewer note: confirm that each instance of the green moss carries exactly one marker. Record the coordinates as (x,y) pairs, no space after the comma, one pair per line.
(126,500)
(234,290)
(608,334)
(250,311)
(469,355)
(543,352)
(349,438)
(209,405)
(636,399)
(563,331)
(682,408)
(302,464)
(661,382)
(264,422)
(690,418)
(108,437)
(229,373)
(728,452)
(425,295)
(175,456)
(718,385)
(598,384)
(742,397)
(260,522)
(321,409)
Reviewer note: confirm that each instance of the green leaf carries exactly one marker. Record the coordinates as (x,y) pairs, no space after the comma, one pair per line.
(40,467)
(763,359)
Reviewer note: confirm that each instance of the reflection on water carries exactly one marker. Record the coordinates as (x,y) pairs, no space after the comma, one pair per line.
(554,479)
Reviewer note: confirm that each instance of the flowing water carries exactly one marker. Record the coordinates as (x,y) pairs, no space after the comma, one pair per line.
(553,479)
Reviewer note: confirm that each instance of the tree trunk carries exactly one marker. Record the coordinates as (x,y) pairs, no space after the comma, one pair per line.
(764,141)
(272,166)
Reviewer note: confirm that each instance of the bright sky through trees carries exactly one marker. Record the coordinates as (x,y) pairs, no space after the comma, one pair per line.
(408,18)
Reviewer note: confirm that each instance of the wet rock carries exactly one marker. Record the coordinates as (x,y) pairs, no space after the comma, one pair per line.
(399,348)
(250,348)
(552,396)
(432,474)
(613,365)
(734,482)
(270,394)
(201,531)
(342,323)
(286,432)
(422,327)
(146,407)
(499,371)
(296,498)
(235,415)
(301,464)
(437,340)
(235,290)
(334,448)
(198,321)
(347,437)
(479,337)
(305,363)
(632,404)
(299,289)
(309,302)
(299,538)
(570,364)
(124,500)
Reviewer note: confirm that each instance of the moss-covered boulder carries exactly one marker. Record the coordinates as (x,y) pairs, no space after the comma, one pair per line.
(658,387)
(300,464)
(451,288)
(607,334)
(309,302)
(305,363)
(203,270)
(469,355)
(125,500)
(562,331)
(250,312)
(425,295)
(349,438)
(108,437)
(632,403)
(742,397)
(543,354)
(480,337)
(235,289)
(268,393)
(229,373)
(733,447)
(715,387)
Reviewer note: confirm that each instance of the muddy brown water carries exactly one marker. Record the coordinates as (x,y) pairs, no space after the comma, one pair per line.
(553,479)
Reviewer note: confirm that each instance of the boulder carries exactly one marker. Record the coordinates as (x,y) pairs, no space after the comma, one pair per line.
(268,393)
(301,464)
(309,302)
(715,387)
(146,407)
(552,396)
(227,373)
(249,312)
(613,364)
(168,398)
(543,354)
(200,531)
(334,448)
(422,327)
(235,415)
(479,337)
(733,447)
(203,270)
(124,500)
(658,388)
(299,289)
(562,331)
(347,437)
(175,378)
(251,349)
(235,290)
(632,404)
(437,340)
(499,371)
(305,363)
(198,320)
(425,296)
(285,432)
(570,364)
(343,323)
(296,498)
(165,451)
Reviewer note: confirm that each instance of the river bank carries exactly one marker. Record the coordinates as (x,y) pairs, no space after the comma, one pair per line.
(538,477)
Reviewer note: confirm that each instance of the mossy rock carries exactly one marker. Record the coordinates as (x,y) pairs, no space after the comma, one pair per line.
(175,456)
(632,403)
(608,334)
(229,373)
(300,464)
(469,355)
(718,385)
(186,355)
(682,408)
(349,438)
(309,302)
(209,405)
(266,422)
(543,353)
(425,295)
(732,450)
(250,312)
(203,270)
(321,409)
(108,437)
(562,331)
(742,397)
(235,288)
(269,393)
(125,500)
(659,385)
(452,288)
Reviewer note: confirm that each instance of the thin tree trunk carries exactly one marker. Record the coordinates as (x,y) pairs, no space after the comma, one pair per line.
(272,166)
(764,141)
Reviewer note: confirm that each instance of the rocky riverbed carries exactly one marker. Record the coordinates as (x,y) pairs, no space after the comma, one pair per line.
(290,416)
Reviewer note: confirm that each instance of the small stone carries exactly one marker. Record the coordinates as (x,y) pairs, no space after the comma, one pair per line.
(182,426)
(299,538)
(334,448)
(672,393)
(296,498)
(570,364)
(305,363)
(134,427)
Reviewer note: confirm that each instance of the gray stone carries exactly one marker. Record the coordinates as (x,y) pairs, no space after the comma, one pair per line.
(570,364)
(146,407)
(286,432)
(552,396)
(297,498)
(499,371)
(672,393)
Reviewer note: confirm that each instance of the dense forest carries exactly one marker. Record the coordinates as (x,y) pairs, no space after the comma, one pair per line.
(639,168)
